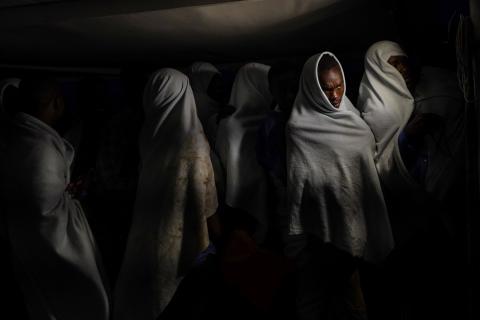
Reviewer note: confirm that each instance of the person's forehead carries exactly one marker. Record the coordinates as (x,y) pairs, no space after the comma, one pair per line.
(398,58)
(331,73)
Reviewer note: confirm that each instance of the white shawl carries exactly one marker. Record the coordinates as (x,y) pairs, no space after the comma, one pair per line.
(54,251)
(246,184)
(175,196)
(333,187)
(386,105)
(200,75)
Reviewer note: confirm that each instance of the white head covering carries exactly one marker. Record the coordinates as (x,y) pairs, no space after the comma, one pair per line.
(201,74)
(245,179)
(384,99)
(333,187)
(4,84)
(175,196)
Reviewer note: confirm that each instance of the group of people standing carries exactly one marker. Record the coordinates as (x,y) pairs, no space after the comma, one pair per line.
(278,169)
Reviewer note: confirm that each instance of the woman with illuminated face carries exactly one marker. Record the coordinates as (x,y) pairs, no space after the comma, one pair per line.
(335,198)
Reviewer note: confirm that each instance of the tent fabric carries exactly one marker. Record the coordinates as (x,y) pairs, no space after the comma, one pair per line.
(175,196)
(333,187)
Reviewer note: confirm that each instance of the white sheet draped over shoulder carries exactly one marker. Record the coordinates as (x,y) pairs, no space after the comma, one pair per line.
(201,75)
(175,196)
(333,187)
(386,105)
(246,186)
(54,251)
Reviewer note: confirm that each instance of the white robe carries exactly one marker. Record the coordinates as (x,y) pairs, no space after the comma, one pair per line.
(175,196)
(53,248)
(386,105)
(246,181)
(332,184)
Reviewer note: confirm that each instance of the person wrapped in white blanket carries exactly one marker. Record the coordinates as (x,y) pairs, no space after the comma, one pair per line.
(246,181)
(387,104)
(53,249)
(335,197)
(175,197)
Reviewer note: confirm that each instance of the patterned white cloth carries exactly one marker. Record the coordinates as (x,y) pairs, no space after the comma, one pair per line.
(175,196)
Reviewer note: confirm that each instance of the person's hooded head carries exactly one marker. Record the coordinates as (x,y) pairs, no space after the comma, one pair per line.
(322,85)
(9,95)
(389,58)
(206,78)
(331,79)
(42,98)
(250,92)
(384,97)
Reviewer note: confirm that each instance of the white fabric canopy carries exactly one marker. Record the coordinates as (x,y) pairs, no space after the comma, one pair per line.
(386,105)
(236,139)
(53,248)
(333,187)
(175,196)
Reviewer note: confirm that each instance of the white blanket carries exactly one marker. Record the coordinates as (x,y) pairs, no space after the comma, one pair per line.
(246,184)
(333,187)
(175,196)
(55,254)
(386,105)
